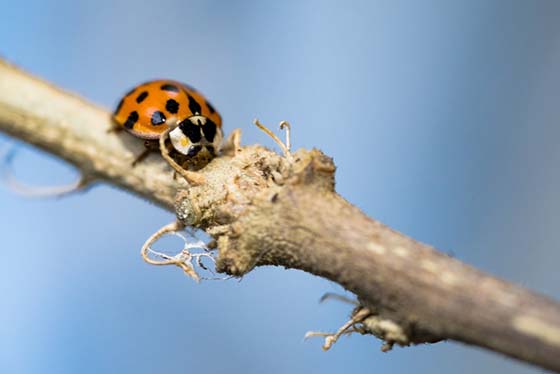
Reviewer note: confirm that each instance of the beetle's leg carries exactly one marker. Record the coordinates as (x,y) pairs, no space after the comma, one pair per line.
(151,145)
(115,128)
(142,156)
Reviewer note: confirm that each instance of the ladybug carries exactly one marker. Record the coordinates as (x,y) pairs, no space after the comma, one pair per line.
(151,108)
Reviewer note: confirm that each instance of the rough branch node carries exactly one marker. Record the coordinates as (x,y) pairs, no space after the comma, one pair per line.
(365,321)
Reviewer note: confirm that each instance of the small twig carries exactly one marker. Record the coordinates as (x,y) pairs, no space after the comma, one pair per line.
(335,296)
(330,339)
(285,124)
(284,147)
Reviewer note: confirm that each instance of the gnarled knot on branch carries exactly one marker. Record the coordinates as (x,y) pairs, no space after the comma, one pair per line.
(240,188)
(235,189)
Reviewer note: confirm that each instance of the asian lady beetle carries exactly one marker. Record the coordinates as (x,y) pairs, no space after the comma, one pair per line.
(151,108)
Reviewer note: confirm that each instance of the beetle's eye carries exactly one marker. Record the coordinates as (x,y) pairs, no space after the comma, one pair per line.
(194,150)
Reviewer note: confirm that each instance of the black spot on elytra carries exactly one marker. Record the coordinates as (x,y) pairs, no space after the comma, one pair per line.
(210,107)
(119,106)
(169,87)
(194,151)
(158,118)
(172,106)
(209,130)
(191,131)
(194,107)
(131,120)
(142,97)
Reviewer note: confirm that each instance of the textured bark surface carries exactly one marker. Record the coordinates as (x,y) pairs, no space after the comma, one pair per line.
(266,209)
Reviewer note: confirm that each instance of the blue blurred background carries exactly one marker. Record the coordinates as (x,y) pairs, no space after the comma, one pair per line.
(442,117)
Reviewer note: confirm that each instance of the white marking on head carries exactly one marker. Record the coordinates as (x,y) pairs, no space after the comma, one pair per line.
(180,141)
(196,119)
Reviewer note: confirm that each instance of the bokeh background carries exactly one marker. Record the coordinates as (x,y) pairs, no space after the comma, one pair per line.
(442,117)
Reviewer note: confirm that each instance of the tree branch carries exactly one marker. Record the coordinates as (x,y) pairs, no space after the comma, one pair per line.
(266,209)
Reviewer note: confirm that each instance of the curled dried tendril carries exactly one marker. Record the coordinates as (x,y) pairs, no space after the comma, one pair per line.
(362,321)
(193,252)
(285,146)
(9,179)
(347,329)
